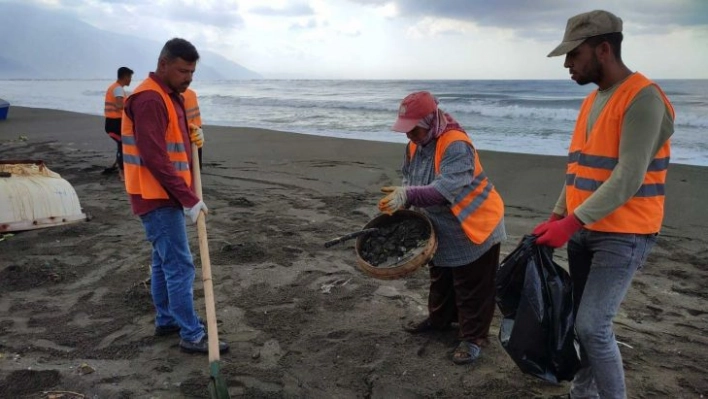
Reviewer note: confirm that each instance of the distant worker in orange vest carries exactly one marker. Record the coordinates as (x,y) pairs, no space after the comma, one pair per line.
(158,178)
(194,116)
(113,111)
(612,205)
(444,178)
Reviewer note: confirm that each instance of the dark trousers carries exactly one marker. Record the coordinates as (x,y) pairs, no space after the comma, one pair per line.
(113,127)
(465,294)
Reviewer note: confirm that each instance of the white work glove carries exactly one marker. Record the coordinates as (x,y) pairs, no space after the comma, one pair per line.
(193,212)
(395,200)
(196,135)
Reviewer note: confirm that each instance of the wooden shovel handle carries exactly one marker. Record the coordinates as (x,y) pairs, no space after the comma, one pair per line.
(213,333)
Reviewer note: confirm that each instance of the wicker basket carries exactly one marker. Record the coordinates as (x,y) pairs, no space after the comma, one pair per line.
(412,261)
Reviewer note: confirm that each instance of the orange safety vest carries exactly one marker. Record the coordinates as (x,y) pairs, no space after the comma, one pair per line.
(479,207)
(138,179)
(591,162)
(191,107)
(110,107)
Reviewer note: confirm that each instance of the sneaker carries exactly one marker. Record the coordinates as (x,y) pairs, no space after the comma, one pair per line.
(202,346)
(161,331)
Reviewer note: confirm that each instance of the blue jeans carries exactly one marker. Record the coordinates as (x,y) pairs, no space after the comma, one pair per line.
(602,266)
(172,278)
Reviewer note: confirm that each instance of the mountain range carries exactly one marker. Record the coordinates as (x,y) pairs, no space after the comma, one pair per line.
(40,44)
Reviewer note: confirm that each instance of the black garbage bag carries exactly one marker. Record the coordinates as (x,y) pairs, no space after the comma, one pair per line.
(535,297)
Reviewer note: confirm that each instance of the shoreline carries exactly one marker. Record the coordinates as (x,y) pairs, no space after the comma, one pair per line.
(345,135)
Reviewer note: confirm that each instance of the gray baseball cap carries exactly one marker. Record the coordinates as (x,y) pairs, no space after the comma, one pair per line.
(585,25)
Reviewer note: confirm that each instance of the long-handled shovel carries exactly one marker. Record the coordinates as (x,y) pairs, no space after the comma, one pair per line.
(217,385)
(350,236)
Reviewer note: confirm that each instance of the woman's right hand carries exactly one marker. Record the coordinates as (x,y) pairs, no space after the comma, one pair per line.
(394,200)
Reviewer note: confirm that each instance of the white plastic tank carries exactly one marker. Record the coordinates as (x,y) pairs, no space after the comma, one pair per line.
(34,197)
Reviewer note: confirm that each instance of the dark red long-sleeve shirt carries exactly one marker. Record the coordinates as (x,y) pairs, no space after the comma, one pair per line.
(149,115)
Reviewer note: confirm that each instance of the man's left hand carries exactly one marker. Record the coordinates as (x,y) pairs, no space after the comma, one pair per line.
(556,233)
(394,200)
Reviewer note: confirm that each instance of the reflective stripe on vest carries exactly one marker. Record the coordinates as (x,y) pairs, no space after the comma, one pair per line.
(591,162)
(191,107)
(110,107)
(478,207)
(171,147)
(138,179)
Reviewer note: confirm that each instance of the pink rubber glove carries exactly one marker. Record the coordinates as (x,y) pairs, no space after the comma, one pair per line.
(556,233)
(554,217)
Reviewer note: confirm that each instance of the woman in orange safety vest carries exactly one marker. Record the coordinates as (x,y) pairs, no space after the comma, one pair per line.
(444,178)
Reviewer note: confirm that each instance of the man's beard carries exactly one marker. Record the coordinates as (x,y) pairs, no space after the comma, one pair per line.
(592,74)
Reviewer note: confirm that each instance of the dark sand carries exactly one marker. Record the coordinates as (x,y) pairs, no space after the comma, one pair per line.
(302,320)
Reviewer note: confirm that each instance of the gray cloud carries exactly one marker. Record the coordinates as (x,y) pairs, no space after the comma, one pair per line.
(178,11)
(528,16)
(293,10)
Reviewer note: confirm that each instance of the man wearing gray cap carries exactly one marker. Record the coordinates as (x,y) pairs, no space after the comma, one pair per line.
(612,205)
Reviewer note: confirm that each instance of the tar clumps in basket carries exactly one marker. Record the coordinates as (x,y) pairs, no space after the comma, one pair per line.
(390,244)
(401,244)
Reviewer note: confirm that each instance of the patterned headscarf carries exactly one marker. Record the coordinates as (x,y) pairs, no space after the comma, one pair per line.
(437,123)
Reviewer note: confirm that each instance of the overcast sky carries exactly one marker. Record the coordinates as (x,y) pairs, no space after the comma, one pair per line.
(406,39)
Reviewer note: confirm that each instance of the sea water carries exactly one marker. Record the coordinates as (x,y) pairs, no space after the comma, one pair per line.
(527,116)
